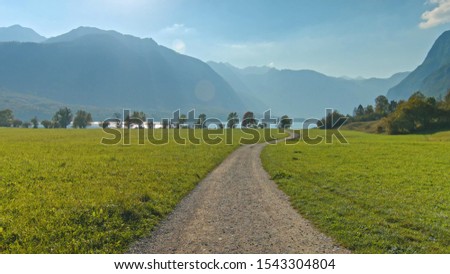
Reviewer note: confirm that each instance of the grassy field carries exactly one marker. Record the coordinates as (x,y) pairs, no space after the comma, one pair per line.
(64,192)
(378,194)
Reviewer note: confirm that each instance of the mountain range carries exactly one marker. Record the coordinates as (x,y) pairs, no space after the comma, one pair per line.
(106,71)
(88,66)
(302,93)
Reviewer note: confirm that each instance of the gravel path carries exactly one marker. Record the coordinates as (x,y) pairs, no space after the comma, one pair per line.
(236,209)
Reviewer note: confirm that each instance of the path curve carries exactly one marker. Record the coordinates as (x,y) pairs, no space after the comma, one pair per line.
(236,209)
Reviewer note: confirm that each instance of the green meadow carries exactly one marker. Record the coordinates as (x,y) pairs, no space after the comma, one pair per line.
(377,194)
(64,192)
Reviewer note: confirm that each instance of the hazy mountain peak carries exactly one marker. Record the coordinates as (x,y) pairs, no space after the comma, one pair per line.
(440,49)
(81,32)
(16,27)
(17,33)
(86,31)
(432,77)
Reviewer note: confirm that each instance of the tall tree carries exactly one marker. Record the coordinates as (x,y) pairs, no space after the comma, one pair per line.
(368,110)
(333,120)
(63,117)
(35,122)
(285,122)
(232,120)
(382,105)
(137,118)
(17,123)
(201,120)
(248,120)
(46,124)
(359,111)
(6,118)
(82,119)
(392,106)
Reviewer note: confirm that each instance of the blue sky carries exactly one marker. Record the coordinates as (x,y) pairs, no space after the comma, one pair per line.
(370,38)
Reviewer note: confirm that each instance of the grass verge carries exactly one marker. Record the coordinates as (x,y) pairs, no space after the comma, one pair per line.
(378,194)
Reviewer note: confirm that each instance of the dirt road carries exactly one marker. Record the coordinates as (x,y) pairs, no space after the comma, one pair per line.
(236,209)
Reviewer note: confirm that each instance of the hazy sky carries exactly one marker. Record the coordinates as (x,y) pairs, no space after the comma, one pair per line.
(336,37)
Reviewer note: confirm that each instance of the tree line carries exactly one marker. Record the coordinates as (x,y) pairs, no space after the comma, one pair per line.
(137,119)
(61,119)
(249,121)
(7,120)
(417,114)
(82,119)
